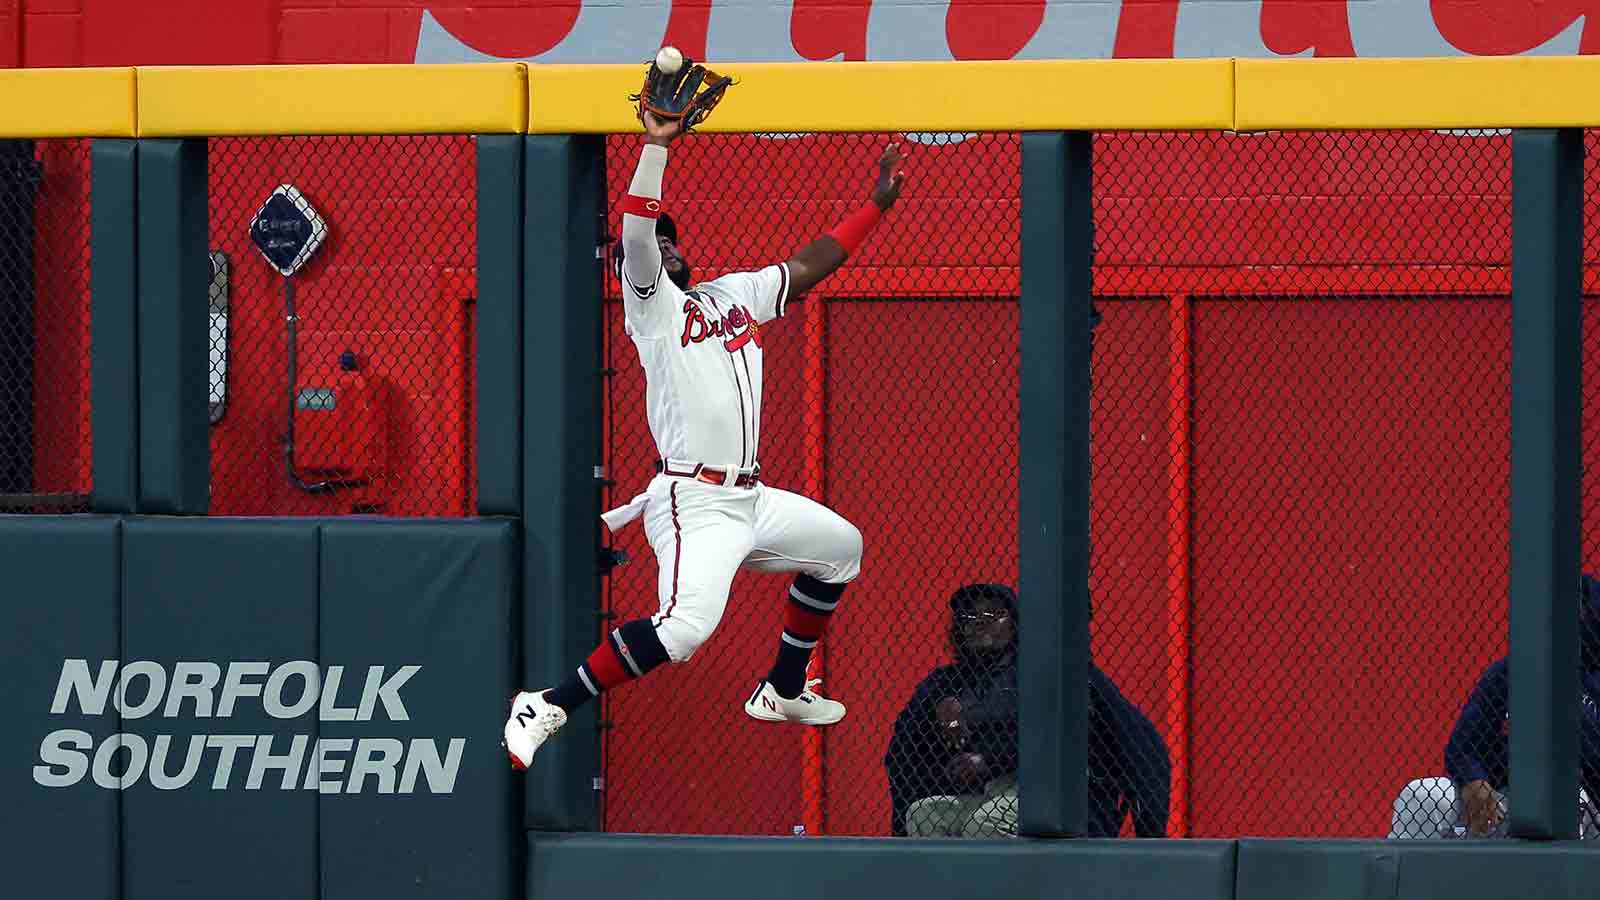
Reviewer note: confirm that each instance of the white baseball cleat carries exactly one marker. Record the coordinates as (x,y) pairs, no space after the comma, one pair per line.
(532,721)
(810,708)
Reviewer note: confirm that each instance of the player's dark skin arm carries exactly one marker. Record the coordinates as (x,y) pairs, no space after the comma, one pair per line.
(823,256)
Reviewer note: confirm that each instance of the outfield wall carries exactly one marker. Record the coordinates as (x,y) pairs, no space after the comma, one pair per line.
(479,607)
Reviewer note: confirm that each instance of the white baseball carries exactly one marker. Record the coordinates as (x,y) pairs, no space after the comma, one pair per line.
(669,60)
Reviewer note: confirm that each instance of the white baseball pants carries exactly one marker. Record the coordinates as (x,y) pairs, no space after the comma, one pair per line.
(703,533)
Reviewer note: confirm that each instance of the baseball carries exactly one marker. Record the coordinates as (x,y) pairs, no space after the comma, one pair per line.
(668,60)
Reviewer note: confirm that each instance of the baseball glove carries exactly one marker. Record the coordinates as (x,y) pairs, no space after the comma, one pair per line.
(689,94)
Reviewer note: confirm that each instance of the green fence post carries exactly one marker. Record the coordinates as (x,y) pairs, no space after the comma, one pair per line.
(1053,532)
(1546,478)
(499,325)
(174,331)
(562,452)
(114,329)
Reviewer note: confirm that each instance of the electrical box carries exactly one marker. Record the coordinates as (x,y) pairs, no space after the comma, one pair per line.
(341,428)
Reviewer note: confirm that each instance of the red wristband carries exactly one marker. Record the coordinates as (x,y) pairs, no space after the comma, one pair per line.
(647,207)
(853,230)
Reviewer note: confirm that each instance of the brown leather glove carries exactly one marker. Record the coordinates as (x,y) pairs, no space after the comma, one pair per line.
(689,94)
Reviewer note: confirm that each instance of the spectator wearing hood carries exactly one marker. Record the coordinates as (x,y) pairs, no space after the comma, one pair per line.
(1473,800)
(952,760)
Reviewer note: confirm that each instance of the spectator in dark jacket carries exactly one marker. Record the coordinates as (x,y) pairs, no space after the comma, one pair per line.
(952,760)
(1472,801)
(1130,770)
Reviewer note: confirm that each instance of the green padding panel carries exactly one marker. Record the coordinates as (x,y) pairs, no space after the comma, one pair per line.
(238,595)
(114,344)
(1416,870)
(174,347)
(424,611)
(592,865)
(58,833)
(562,440)
(499,329)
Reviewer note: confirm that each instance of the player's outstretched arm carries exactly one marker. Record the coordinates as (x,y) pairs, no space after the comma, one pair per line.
(641,255)
(820,258)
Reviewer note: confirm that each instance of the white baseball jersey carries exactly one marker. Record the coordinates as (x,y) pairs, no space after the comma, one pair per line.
(701,352)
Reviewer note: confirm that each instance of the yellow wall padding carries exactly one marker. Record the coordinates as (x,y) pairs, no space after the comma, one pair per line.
(1028,95)
(1503,92)
(399,99)
(1018,95)
(42,103)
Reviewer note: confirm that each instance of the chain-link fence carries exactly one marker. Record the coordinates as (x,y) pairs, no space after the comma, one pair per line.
(1589,615)
(1301,462)
(342,309)
(1302,439)
(890,396)
(44,326)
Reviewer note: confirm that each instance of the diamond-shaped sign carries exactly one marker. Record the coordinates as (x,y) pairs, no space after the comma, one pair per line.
(287,230)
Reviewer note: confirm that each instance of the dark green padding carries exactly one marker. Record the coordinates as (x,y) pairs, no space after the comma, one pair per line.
(561,447)
(114,350)
(687,868)
(1415,870)
(1053,531)
(174,330)
(60,602)
(442,596)
(498,380)
(1546,475)
(222,591)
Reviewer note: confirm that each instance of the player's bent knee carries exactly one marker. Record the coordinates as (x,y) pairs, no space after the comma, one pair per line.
(682,637)
(846,555)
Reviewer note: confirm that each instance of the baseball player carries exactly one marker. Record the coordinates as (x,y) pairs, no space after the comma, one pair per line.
(706,513)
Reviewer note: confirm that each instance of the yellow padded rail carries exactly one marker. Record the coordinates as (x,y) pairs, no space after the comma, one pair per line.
(44,103)
(183,101)
(1018,95)
(1032,95)
(1503,92)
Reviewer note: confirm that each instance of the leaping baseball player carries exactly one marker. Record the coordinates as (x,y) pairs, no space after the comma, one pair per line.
(706,512)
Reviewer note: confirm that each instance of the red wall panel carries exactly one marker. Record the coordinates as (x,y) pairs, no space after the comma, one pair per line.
(1350,551)
(922,457)
(387,284)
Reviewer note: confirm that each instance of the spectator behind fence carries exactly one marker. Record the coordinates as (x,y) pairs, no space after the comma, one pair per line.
(1473,800)
(952,760)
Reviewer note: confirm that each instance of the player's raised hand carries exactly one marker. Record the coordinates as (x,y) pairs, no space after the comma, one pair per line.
(890,178)
(660,132)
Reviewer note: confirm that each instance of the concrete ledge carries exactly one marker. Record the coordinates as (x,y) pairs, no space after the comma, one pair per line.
(1458,870)
(698,868)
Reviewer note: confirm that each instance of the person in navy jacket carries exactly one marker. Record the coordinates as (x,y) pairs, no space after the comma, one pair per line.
(1472,800)
(952,760)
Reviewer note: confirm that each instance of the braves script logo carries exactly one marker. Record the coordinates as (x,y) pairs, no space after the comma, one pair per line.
(799,30)
(738,327)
